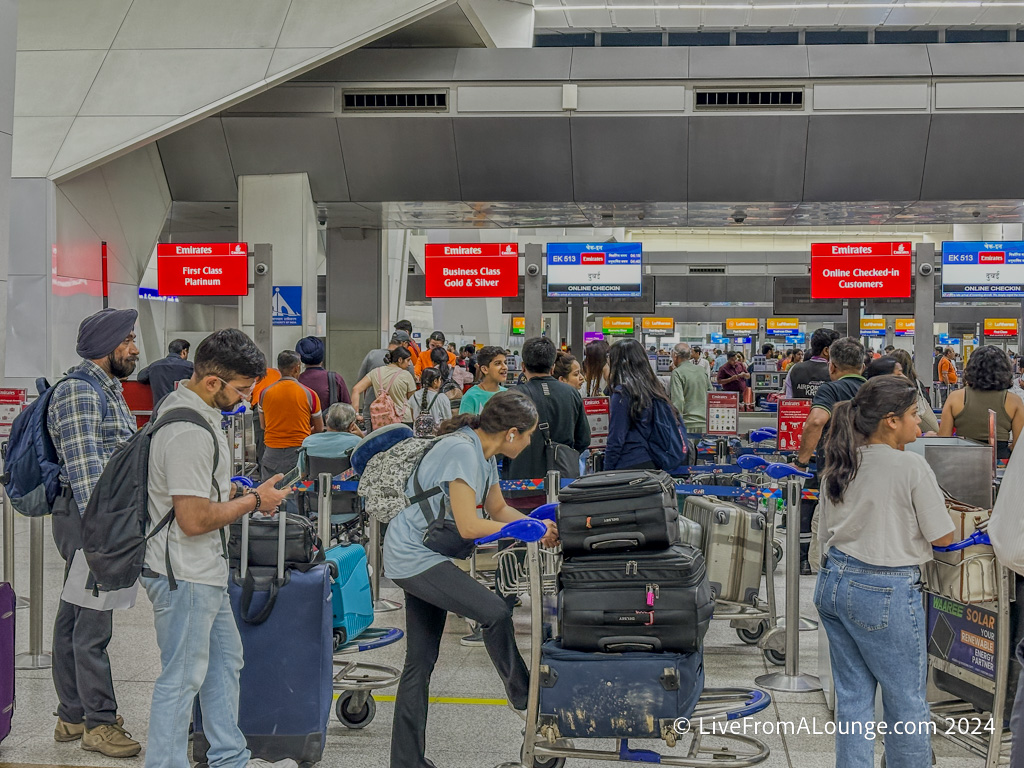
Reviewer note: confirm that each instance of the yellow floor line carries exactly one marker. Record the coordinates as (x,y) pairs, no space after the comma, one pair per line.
(450,700)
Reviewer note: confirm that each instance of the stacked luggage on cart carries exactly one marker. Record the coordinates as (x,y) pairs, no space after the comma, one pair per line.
(634,606)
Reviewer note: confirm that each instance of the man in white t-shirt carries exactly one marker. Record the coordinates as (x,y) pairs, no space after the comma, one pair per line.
(195,628)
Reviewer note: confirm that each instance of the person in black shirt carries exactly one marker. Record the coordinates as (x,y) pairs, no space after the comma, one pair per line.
(559,406)
(805,377)
(845,365)
(164,373)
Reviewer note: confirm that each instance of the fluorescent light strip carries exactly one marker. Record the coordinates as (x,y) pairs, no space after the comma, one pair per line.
(782,6)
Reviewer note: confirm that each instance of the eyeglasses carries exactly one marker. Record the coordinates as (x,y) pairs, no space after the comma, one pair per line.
(245,394)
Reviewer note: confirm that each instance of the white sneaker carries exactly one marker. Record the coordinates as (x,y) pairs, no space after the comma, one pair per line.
(286,763)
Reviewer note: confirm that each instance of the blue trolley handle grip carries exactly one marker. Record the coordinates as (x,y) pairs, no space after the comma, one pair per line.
(750,462)
(978,537)
(545,512)
(523,530)
(779,471)
(243,480)
(239,410)
(764,433)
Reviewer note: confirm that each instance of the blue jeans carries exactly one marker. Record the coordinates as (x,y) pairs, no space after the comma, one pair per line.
(200,654)
(875,621)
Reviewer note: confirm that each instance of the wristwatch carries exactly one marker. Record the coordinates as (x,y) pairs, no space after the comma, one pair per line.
(799,464)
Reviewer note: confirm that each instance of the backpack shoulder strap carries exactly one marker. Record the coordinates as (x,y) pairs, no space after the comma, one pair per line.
(96,386)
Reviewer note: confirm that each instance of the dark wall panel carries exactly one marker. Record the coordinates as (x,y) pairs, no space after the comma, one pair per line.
(974,156)
(525,159)
(865,157)
(639,159)
(260,145)
(748,158)
(400,158)
(197,164)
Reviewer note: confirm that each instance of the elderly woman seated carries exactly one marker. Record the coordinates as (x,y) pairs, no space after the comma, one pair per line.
(328,452)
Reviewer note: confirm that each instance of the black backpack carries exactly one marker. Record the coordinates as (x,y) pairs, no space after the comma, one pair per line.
(114,524)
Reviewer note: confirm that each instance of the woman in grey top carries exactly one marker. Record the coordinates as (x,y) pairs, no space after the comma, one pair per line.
(881,512)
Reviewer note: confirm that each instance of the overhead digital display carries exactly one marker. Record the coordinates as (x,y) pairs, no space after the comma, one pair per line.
(861,270)
(202,269)
(483,270)
(595,269)
(982,270)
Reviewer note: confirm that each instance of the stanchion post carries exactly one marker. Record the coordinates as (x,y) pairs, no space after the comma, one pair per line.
(36,658)
(380,605)
(792,680)
(324,508)
(552,484)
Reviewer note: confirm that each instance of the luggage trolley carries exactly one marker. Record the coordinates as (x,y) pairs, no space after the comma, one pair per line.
(544,747)
(961,722)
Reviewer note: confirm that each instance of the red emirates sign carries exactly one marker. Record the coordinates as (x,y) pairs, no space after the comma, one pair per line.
(792,415)
(861,270)
(472,271)
(202,269)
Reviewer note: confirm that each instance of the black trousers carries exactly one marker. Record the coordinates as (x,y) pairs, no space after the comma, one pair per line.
(428,599)
(81,667)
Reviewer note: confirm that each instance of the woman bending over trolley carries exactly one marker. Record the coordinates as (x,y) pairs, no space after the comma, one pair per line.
(418,558)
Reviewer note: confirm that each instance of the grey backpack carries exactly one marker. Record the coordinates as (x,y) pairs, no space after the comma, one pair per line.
(382,484)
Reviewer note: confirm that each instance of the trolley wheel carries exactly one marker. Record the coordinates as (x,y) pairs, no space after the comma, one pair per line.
(778,658)
(551,762)
(340,637)
(751,636)
(776,554)
(358,720)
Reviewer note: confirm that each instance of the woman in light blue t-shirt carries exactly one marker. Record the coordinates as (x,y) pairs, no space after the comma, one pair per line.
(462,466)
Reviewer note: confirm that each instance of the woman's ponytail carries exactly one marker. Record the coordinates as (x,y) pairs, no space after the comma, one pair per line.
(456,423)
(427,379)
(841,447)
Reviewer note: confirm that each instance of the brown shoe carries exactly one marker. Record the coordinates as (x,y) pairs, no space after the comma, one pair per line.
(110,740)
(73,731)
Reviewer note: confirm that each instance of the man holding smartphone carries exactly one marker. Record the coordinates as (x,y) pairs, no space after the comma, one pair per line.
(186,569)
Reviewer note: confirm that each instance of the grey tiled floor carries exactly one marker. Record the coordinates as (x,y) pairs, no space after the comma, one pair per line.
(459,735)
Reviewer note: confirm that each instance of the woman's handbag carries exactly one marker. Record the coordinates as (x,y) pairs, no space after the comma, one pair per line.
(442,534)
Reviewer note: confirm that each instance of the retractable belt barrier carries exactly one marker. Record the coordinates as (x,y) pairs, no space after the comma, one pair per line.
(683,489)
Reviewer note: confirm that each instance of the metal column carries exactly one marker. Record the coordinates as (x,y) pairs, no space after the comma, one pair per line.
(577,316)
(36,657)
(924,311)
(263,299)
(853,315)
(533,307)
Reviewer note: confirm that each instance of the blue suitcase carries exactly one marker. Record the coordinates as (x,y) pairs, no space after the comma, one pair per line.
(351,600)
(617,695)
(286,685)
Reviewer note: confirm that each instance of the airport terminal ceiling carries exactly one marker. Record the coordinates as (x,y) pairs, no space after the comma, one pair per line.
(626,137)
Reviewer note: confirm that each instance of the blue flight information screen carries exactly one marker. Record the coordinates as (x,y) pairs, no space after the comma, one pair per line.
(982,270)
(612,270)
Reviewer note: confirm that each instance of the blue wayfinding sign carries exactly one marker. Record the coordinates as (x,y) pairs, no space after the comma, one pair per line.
(287,305)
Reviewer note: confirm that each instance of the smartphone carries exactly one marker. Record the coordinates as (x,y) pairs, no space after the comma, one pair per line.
(290,479)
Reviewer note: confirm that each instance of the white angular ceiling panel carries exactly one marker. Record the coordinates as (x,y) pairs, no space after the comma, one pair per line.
(226,24)
(66,25)
(60,81)
(36,142)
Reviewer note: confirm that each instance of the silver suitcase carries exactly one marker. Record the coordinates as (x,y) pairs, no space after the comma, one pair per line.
(733,544)
(691,533)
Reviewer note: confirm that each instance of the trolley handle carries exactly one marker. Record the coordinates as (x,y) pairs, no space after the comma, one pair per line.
(764,433)
(780,471)
(523,530)
(978,537)
(750,462)
(239,410)
(243,480)
(545,512)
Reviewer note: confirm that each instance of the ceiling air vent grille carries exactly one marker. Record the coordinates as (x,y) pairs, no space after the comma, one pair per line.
(706,270)
(395,101)
(746,99)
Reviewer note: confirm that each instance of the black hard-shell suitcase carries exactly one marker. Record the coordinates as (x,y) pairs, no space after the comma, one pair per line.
(617,695)
(620,510)
(639,601)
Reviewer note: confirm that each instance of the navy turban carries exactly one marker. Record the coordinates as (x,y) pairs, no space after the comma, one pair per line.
(102,333)
(311,350)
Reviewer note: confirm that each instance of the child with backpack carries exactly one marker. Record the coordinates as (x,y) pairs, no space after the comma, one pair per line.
(429,406)
(393,384)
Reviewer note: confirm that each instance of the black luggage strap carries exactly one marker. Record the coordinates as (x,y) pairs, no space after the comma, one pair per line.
(248,588)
